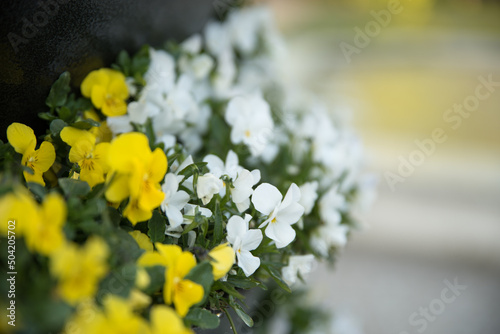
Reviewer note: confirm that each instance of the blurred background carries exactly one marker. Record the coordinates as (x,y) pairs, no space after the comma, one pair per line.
(442,222)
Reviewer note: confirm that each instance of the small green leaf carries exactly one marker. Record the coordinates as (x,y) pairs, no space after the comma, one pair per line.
(59,91)
(241,312)
(202,318)
(276,276)
(47,116)
(119,281)
(74,187)
(86,124)
(66,114)
(56,126)
(218,223)
(157,279)
(156,227)
(37,189)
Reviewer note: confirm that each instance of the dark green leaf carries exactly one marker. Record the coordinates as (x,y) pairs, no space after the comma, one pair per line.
(202,318)
(240,312)
(157,279)
(229,289)
(245,282)
(156,227)
(86,124)
(59,91)
(119,281)
(276,276)
(47,116)
(56,126)
(66,114)
(74,187)
(37,189)
(218,223)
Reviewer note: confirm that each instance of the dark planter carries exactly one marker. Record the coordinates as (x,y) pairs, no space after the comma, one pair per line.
(42,39)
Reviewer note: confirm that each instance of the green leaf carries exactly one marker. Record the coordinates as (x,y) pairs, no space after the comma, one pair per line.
(86,124)
(74,187)
(37,189)
(218,223)
(66,114)
(59,91)
(46,116)
(276,276)
(157,279)
(56,126)
(202,318)
(119,281)
(229,289)
(156,227)
(202,274)
(245,282)
(124,62)
(241,312)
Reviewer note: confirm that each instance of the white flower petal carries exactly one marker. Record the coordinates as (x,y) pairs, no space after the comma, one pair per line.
(291,214)
(265,198)
(247,262)
(282,233)
(252,239)
(237,227)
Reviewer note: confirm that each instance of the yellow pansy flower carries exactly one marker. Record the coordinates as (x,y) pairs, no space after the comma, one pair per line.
(23,139)
(164,320)
(79,269)
(222,260)
(91,158)
(45,234)
(183,293)
(17,209)
(135,172)
(102,133)
(107,90)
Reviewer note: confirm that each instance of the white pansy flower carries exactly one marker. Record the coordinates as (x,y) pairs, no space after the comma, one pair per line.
(330,206)
(308,196)
(160,75)
(225,74)
(208,185)
(251,122)
(243,188)
(174,200)
(192,45)
(217,38)
(219,168)
(267,199)
(328,236)
(298,265)
(198,67)
(243,241)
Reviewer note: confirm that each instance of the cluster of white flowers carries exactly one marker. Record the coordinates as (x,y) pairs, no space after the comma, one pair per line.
(233,64)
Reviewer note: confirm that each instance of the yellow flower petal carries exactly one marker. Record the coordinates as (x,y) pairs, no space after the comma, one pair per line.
(72,136)
(101,156)
(187,293)
(151,196)
(36,177)
(21,137)
(20,208)
(223,259)
(152,258)
(118,187)
(136,214)
(113,106)
(98,96)
(164,320)
(126,148)
(118,87)
(185,262)
(45,156)
(92,173)
(94,78)
(158,165)
(142,240)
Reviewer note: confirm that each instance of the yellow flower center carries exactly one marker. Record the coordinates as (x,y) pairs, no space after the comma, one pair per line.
(247,133)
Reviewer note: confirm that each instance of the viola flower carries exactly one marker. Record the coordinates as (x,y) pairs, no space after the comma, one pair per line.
(243,188)
(251,122)
(222,260)
(164,320)
(107,90)
(23,139)
(118,317)
(297,265)
(330,205)
(174,200)
(243,241)
(136,172)
(91,158)
(328,236)
(208,185)
(182,292)
(79,269)
(19,206)
(45,234)
(142,240)
(280,214)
